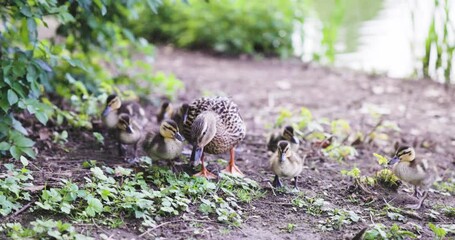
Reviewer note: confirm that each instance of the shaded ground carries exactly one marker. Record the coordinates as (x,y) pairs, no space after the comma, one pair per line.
(261,88)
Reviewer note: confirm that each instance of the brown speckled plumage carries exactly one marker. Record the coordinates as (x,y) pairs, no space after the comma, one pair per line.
(230,127)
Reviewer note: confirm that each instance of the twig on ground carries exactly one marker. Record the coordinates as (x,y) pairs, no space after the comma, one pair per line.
(367,136)
(273,189)
(100,228)
(22,209)
(244,234)
(405,212)
(363,188)
(170,222)
(25,207)
(278,203)
(371,218)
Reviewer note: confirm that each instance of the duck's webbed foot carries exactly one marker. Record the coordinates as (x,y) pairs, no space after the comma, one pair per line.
(232,168)
(205,173)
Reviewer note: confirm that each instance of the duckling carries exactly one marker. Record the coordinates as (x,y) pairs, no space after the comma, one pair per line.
(418,172)
(287,134)
(114,107)
(167,111)
(285,163)
(129,133)
(168,144)
(214,125)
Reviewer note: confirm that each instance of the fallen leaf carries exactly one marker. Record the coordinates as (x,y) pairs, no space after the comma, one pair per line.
(34,188)
(44,134)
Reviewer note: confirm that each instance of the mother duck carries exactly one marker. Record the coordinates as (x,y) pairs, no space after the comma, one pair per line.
(213,125)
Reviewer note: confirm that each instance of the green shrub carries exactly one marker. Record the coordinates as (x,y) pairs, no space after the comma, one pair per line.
(225,26)
(78,67)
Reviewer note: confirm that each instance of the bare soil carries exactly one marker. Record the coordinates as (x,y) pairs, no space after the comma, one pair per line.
(262,87)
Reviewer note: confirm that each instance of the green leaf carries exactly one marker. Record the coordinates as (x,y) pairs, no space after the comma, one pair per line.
(29,152)
(66,208)
(439,232)
(65,17)
(4,146)
(99,137)
(98,173)
(24,161)
(18,126)
(94,206)
(205,208)
(44,66)
(101,7)
(32,32)
(25,10)
(15,152)
(381,159)
(42,117)
(24,142)
(12,97)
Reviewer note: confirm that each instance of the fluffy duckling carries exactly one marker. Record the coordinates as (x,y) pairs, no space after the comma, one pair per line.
(129,133)
(167,111)
(285,163)
(214,125)
(288,134)
(115,107)
(418,172)
(168,144)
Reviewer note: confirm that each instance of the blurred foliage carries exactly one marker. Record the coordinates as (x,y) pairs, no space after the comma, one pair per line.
(91,55)
(439,49)
(225,26)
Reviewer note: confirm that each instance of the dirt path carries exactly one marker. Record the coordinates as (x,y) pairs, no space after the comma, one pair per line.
(423,110)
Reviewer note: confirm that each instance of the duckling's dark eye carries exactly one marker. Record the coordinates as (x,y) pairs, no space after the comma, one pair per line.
(203,133)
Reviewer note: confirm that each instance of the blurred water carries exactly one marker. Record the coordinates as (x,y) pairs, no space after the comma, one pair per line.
(376,36)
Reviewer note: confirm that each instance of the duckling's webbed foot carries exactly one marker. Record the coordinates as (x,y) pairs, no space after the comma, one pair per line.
(417,194)
(121,150)
(277,182)
(295,182)
(132,161)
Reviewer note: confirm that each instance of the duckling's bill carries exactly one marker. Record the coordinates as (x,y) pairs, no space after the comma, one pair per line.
(106,111)
(179,137)
(393,160)
(129,129)
(294,140)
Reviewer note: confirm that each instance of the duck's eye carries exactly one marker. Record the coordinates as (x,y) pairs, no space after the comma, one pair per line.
(203,133)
